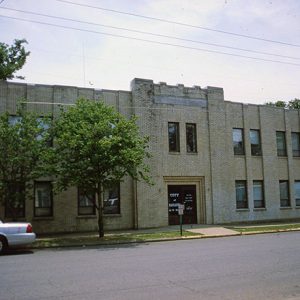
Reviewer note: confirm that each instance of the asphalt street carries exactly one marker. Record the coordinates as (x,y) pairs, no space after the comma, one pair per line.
(265,266)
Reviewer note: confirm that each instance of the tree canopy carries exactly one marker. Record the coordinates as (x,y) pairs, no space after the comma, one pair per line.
(292,104)
(95,147)
(24,144)
(12,59)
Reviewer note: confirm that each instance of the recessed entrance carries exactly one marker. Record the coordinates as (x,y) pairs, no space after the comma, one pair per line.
(182,194)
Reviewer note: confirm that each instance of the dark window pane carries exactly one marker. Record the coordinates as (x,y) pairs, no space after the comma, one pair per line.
(255,142)
(238,141)
(191,138)
(297,192)
(111,201)
(241,194)
(296,143)
(258,194)
(43,199)
(15,206)
(86,202)
(173,129)
(281,143)
(284,193)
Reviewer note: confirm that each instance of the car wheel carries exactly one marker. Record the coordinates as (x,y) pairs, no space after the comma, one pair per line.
(3,245)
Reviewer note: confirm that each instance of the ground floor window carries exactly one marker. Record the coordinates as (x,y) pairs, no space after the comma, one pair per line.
(241,194)
(284,193)
(43,200)
(86,202)
(15,203)
(297,192)
(111,200)
(258,194)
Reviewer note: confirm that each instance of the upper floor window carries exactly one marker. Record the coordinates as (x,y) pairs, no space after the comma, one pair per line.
(241,194)
(296,143)
(43,200)
(281,143)
(191,138)
(255,142)
(15,206)
(238,141)
(258,194)
(284,193)
(173,130)
(86,202)
(297,192)
(111,200)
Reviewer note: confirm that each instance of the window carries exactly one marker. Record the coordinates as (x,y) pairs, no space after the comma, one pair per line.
(238,141)
(258,194)
(86,202)
(173,129)
(111,200)
(297,192)
(241,194)
(15,207)
(284,193)
(296,143)
(45,126)
(43,200)
(255,142)
(281,143)
(13,120)
(191,138)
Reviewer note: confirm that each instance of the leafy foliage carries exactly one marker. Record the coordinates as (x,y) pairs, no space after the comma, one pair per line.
(292,104)
(12,59)
(24,145)
(95,147)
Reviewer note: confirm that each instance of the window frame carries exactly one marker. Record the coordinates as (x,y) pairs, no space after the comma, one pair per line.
(297,199)
(36,208)
(255,148)
(105,212)
(177,137)
(194,137)
(80,208)
(245,201)
(236,150)
(21,208)
(288,199)
(281,152)
(296,151)
(262,200)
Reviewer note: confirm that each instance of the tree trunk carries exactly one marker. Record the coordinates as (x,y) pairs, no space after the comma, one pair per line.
(100,211)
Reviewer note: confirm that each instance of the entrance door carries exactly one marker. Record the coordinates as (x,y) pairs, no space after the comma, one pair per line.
(182,194)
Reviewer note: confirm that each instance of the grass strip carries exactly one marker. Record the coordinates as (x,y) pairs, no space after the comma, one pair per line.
(267,228)
(113,238)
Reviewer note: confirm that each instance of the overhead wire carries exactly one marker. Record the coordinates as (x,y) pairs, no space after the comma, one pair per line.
(181,23)
(150,41)
(150,33)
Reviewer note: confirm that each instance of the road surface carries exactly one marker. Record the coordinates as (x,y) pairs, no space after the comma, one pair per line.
(263,266)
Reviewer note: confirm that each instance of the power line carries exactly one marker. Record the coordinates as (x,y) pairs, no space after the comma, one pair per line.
(181,24)
(150,41)
(150,33)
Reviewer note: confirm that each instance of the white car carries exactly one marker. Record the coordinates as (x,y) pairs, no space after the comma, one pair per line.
(15,234)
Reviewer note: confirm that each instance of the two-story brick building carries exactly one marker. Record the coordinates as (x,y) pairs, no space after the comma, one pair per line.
(227,162)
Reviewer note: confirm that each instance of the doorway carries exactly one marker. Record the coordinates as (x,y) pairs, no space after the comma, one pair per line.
(182,194)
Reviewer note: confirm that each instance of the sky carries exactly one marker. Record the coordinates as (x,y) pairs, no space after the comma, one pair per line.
(105,44)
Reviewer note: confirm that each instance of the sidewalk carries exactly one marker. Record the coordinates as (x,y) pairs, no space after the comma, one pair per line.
(158,234)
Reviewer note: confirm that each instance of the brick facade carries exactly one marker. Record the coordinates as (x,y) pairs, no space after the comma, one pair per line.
(213,170)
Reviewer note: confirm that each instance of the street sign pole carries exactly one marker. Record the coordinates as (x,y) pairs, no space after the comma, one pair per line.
(180,213)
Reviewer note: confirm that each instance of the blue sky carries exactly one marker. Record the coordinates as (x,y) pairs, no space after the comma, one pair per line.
(68,57)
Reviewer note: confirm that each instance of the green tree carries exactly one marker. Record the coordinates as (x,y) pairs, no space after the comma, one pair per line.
(278,103)
(95,147)
(12,59)
(295,104)
(24,145)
